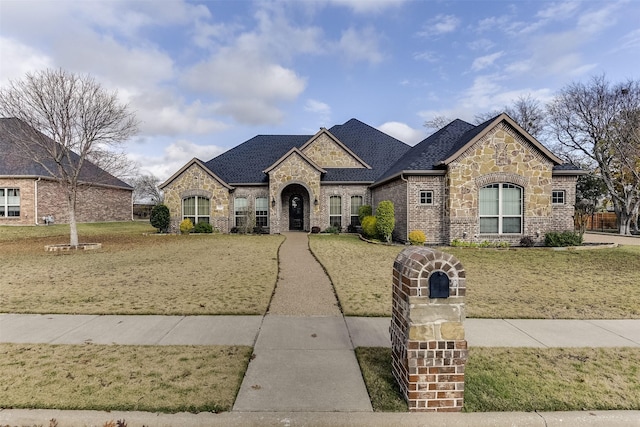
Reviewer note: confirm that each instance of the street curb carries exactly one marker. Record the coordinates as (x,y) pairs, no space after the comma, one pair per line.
(44,417)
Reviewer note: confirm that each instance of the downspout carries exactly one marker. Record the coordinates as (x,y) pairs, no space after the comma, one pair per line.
(35,200)
(406,232)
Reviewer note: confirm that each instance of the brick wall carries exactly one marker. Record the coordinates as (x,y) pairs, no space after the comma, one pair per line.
(396,192)
(27,201)
(429,351)
(428,218)
(345,192)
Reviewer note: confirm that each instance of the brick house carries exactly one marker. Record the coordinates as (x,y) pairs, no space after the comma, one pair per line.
(491,182)
(28,193)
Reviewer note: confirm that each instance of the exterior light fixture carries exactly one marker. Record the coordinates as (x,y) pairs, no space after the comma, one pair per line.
(273,202)
(315,202)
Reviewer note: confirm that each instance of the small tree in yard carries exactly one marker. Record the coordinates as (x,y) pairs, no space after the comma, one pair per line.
(385,220)
(160,218)
(78,126)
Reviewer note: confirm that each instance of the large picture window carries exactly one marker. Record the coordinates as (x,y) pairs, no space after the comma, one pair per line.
(356,203)
(9,202)
(197,209)
(335,211)
(262,212)
(501,209)
(240,208)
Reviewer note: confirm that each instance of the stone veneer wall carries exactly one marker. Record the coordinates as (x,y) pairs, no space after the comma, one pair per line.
(396,192)
(94,204)
(429,350)
(196,182)
(428,218)
(326,153)
(292,170)
(501,156)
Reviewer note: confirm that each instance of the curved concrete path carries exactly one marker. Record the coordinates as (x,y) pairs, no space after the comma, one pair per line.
(303,363)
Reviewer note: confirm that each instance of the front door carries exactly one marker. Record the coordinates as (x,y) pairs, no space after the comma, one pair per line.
(296,213)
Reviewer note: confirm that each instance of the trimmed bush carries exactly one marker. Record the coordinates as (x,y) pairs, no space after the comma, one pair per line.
(364,211)
(562,239)
(417,238)
(203,227)
(527,242)
(186,226)
(369,228)
(332,230)
(385,220)
(160,218)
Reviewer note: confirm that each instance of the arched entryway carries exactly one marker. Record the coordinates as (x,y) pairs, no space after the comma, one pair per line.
(295,208)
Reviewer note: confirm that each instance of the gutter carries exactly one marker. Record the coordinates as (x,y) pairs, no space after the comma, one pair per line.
(407,203)
(409,172)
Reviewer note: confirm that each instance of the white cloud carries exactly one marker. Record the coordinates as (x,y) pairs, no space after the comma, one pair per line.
(630,40)
(403,132)
(441,24)
(429,56)
(361,45)
(18,59)
(320,108)
(485,61)
(174,156)
(368,6)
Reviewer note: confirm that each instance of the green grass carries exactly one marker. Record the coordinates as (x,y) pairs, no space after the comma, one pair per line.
(123,378)
(515,283)
(525,379)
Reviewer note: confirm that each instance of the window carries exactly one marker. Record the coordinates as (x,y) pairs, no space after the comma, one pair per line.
(262,212)
(9,202)
(240,206)
(356,203)
(335,211)
(501,209)
(426,197)
(557,197)
(197,209)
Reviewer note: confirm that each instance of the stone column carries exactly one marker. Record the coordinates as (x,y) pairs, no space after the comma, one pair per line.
(427,334)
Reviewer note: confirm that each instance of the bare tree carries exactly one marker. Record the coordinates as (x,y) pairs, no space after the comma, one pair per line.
(437,123)
(75,121)
(600,121)
(526,111)
(145,189)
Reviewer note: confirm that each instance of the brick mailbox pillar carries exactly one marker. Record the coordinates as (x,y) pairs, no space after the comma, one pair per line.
(427,334)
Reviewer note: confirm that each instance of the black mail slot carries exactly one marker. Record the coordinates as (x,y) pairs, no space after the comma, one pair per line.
(438,285)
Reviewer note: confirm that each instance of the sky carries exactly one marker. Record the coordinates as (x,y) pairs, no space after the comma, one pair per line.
(204,76)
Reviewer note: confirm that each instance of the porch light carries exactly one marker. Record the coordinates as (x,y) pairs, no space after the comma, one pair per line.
(273,202)
(315,201)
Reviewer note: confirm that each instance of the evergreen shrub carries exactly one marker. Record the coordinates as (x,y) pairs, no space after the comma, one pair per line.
(369,228)
(417,238)
(385,220)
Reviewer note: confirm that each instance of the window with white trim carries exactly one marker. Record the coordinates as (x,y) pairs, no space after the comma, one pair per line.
(356,203)
(197,209)
(262,212)
(426,197)
(501,209)
(9,202)
(240,210)
(335,211)
(557,197)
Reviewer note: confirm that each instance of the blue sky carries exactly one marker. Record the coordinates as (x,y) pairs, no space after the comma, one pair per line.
(204,76)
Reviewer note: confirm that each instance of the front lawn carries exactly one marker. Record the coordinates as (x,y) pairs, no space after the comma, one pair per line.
(515,283)
(136,273)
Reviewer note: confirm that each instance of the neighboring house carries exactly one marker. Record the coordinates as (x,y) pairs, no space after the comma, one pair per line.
(29,194)
(490,182)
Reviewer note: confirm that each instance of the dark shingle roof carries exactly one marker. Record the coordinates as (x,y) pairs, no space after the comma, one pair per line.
(432,150)
(14,162)
(245,163)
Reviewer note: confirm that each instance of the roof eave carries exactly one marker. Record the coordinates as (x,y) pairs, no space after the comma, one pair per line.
(201,165)
(436,172)
(569,172)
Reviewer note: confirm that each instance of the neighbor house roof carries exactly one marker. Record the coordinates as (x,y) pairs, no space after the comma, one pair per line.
(246,163)
(16,164)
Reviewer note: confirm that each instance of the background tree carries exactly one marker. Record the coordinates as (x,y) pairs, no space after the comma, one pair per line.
(590,191)
(598,121)
(436,123)
(145,189)
(526,111)
(77,122)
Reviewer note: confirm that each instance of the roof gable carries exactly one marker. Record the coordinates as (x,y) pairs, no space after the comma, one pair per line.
(294,152)
(327,150)
(474,135)
(199,164)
